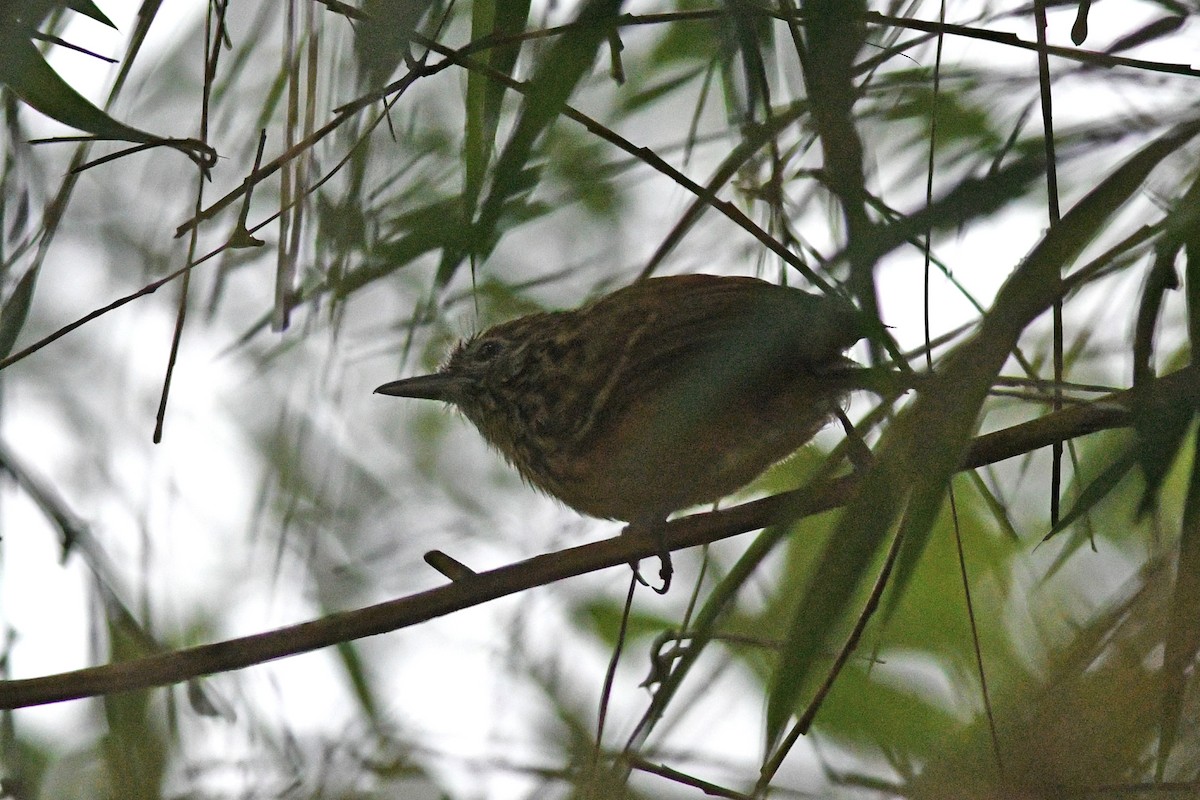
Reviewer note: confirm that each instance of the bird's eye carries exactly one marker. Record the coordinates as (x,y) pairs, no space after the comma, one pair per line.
(489,349)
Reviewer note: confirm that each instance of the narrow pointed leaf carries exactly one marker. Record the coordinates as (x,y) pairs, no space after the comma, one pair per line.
(565,64)
(360,680)
(1098,489)
(89,9)
(1161,420)
(15,311)
(485,95)
(25,71)
(1183,627)
(918,453)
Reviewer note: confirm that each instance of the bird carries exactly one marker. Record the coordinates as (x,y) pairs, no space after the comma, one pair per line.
(669,393)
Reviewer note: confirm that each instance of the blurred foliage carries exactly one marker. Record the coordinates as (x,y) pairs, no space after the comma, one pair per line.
(428,169)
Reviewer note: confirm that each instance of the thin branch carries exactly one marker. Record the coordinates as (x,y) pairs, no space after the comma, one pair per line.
(663,771)
(691,531)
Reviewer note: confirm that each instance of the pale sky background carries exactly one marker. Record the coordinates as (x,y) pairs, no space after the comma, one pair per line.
(443,675)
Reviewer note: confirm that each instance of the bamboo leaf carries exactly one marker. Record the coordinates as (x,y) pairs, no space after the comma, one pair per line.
(566,63)
(89,9)
(360,680)
(1183,624)
(25,71)
(15,311)
(1097,490)
(484,95)
(919,452)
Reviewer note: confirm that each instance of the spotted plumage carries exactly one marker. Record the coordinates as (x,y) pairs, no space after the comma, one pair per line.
(666,394)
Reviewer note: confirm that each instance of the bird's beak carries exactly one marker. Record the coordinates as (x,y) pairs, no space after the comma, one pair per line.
(438,386)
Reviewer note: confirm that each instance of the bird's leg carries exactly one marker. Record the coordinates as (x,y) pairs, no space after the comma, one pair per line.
(654,527)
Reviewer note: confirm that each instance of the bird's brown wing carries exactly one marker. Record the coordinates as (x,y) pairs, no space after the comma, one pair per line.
(733,332)
(699,347)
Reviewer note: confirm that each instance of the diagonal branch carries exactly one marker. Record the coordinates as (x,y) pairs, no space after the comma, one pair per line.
(167,668)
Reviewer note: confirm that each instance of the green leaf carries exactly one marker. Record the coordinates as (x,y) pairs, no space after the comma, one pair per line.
(689,41)
(24,70)
(958,121)
(1161,420)
(1151,31)
(905,719)
(604,618)
(89,9)
(925,445)
(484,94)
(746,35)
(1185,226)
(1097,490)
(477,144)
(997,509)
(434,227)
(972,198)
(135,747)
(1183,624)
(579,163)
(381,40)
(565,64)
(359,677)
(15,311)
(648,96)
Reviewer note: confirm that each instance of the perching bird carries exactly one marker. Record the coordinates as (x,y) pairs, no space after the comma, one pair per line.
(663,395)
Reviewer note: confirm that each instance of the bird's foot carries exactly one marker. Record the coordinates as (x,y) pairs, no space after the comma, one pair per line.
(665,568)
